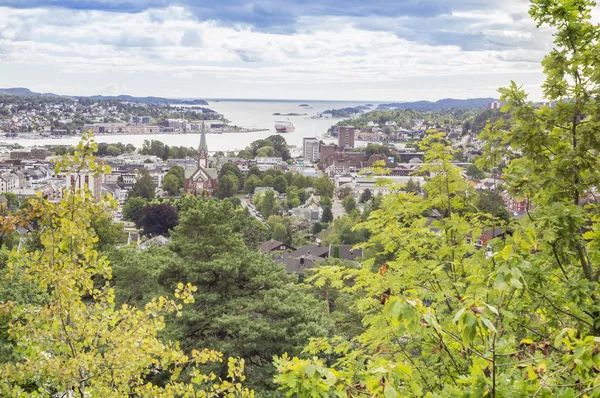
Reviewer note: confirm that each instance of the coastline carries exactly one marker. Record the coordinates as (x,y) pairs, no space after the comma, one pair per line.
(36,136)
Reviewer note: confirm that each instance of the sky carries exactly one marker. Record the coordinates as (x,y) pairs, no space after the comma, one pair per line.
(375,50)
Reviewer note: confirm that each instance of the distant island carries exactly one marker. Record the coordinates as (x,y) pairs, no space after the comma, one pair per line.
(21,91)
(447,103)
(347,112)
(289,114)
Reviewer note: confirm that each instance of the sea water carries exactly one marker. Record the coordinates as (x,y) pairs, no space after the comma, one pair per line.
(255,114)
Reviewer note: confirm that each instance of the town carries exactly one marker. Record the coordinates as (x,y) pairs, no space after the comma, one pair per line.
(297,193)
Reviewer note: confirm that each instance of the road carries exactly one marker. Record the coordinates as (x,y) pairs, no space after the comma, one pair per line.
(337,208)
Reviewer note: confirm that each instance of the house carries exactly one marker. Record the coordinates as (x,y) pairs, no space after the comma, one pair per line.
(311,210)
(156,241)
(345,252)
(275,246)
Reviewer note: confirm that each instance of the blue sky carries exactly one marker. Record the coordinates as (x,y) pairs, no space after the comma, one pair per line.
(312,49)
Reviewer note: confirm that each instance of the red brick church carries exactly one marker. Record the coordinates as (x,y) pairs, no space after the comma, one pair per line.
(202,178)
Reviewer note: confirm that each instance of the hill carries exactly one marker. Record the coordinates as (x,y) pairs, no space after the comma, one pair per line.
(447,103)
(146,100)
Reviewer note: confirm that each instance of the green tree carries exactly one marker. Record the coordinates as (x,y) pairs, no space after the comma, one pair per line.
(132,210)
(268,204)
(254,170)
(280,184)
(228,186)
(349,203)
(246,304)
(76,340)
(280,233)
(232,168)
(518,318)
(475,172)
(327,215)
(171,185)
(366,196)
(251,183)
(144,187)
(12,200)
(324,186)
(179,173)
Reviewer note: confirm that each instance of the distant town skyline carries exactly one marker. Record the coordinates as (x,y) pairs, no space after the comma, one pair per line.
(272,49)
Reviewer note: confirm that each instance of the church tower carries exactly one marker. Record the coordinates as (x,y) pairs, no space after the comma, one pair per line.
(202,155)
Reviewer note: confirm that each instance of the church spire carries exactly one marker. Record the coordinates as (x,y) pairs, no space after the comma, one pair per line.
(202,155)
(203,148)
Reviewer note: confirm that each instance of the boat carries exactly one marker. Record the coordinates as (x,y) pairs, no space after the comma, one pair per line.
(284,126)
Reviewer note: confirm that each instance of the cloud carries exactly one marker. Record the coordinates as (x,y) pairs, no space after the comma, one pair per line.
(282,16)
(345,45)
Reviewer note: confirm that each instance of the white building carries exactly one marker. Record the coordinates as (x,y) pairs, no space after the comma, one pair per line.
(9,182)
(310,149)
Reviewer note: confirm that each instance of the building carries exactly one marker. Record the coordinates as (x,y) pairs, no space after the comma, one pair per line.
(267,163)
(494,105)
(275,246)
(201,178)
(310,149)
(79,181)
(346,137)
(9,182)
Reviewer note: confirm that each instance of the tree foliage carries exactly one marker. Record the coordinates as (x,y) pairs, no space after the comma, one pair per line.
(144,187)
(75,341)
(158,219)
(445,317)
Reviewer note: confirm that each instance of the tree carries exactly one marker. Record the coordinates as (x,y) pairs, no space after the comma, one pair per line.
(132,210)
(158,219)
(412,186)
(492,202)
(445,317)
(109,233)
(254,170)
(267,204)
(228,186)
(144,187)
(179,173)
(232,168)
(280,146)
(299,181)
(324,187)
(246,303)
(12,200)
(171,185)
(349,203)
(344,191)
(280,233)
(280,184)
(475,172)
(77,341)
(366,196)
(327,215)
(251,183)
(292,197)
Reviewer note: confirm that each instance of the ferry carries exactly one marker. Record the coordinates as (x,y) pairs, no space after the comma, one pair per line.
(284,126)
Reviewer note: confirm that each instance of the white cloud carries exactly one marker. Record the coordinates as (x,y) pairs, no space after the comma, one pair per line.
(168,46)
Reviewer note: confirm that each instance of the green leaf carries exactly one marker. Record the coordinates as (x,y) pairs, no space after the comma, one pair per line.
(389,391)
